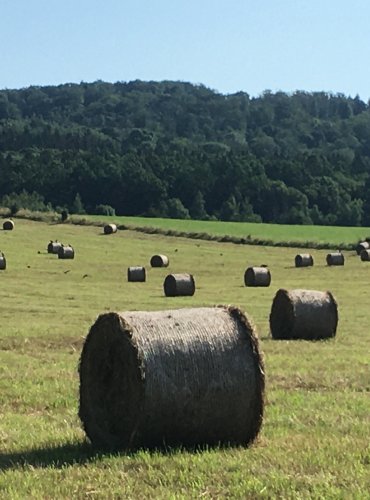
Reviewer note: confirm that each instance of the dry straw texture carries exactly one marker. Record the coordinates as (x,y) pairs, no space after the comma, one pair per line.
(303,260)
(176,285)
(159,261)
(136,273)
(335,259)
(363,245)
(303,314)
(110,228)
(53,247)
(66,252)
(2,261)
(8,225)
(177,377)
(257,276)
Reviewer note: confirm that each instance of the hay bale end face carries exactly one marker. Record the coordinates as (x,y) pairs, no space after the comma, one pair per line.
(363,245)
(2,261)
(257,276)
(176,285)
(365,255)
(66,252)
(176,377)
(159,261)
(303,260)
(110,228)
(303,314)
(136,273)
(335,259)
(8,225)
(53,247)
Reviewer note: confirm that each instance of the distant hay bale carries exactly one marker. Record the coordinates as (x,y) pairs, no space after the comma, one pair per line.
(176,285)
(110,228)
(177,377)
(303,314)
(303,260)
(2,261)
(159,261)
(335,259)
(257,276)
(363,245)
(8,225)
(66,252)
(365,255)
(53,246)
(136,273)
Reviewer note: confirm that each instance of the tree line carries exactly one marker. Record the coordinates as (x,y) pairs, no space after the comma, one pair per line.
(174,149)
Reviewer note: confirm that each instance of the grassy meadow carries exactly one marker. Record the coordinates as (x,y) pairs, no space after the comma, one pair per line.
(314,442)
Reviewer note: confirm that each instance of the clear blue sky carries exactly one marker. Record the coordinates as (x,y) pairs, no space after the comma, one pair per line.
(227,45)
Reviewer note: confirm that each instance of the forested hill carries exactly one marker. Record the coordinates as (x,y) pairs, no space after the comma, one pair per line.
(178,150)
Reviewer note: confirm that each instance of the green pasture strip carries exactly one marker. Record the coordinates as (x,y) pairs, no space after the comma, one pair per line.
(314,442)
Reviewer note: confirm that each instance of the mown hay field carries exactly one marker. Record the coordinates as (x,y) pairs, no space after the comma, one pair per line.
(314,441)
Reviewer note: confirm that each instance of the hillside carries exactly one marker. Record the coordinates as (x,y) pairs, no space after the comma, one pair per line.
(172,149)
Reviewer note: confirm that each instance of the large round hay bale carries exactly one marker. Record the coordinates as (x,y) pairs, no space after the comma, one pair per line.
(8,225)
(176,285)
(257,276)
(335,259)
(176,377)
(2,261)
(66,252)
(303,260)
(136,273)
(159,261)
(303,314)
(365,255)
(110,228)
(363,245)
(53,247)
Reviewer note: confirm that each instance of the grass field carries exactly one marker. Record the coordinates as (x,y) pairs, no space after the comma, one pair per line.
(314,441)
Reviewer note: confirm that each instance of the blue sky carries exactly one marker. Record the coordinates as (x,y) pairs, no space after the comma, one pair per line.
(227,45)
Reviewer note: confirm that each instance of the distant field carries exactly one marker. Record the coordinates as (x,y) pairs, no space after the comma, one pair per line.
(314,441)
(274,232)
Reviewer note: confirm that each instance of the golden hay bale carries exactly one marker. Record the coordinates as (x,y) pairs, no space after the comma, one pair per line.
(110,228)
(303,260)
(257,276)
(66,252)
(335,259)
(159,261)
(176,285)
(8,225)
(365,255)
(53,246)
(136,273)
(2,261)
(303,314)
(363,245)
(176,377)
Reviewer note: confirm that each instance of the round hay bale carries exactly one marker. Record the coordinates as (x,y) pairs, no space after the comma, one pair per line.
(363,245)
(303,314)
(177,377)
(136,273)
(365,255)
(53,247)
(303,260)
(176,285)
(66,252)
(159,261)
(335,259)
(2,261)
(8,225)
(257,276)
(110,228)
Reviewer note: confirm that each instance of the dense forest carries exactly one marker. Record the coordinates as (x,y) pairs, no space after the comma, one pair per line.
(174,149)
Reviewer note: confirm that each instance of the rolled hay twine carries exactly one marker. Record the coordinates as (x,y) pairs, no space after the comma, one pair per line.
(178,377)
(136,273)
(176,285)
(8,225)
(365,255)
(53,247)
(363,245)
(66,252)
(303,260)
(110,228)
(159,261)
(2,261)
(257,276)
(303,314)
(335,259)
